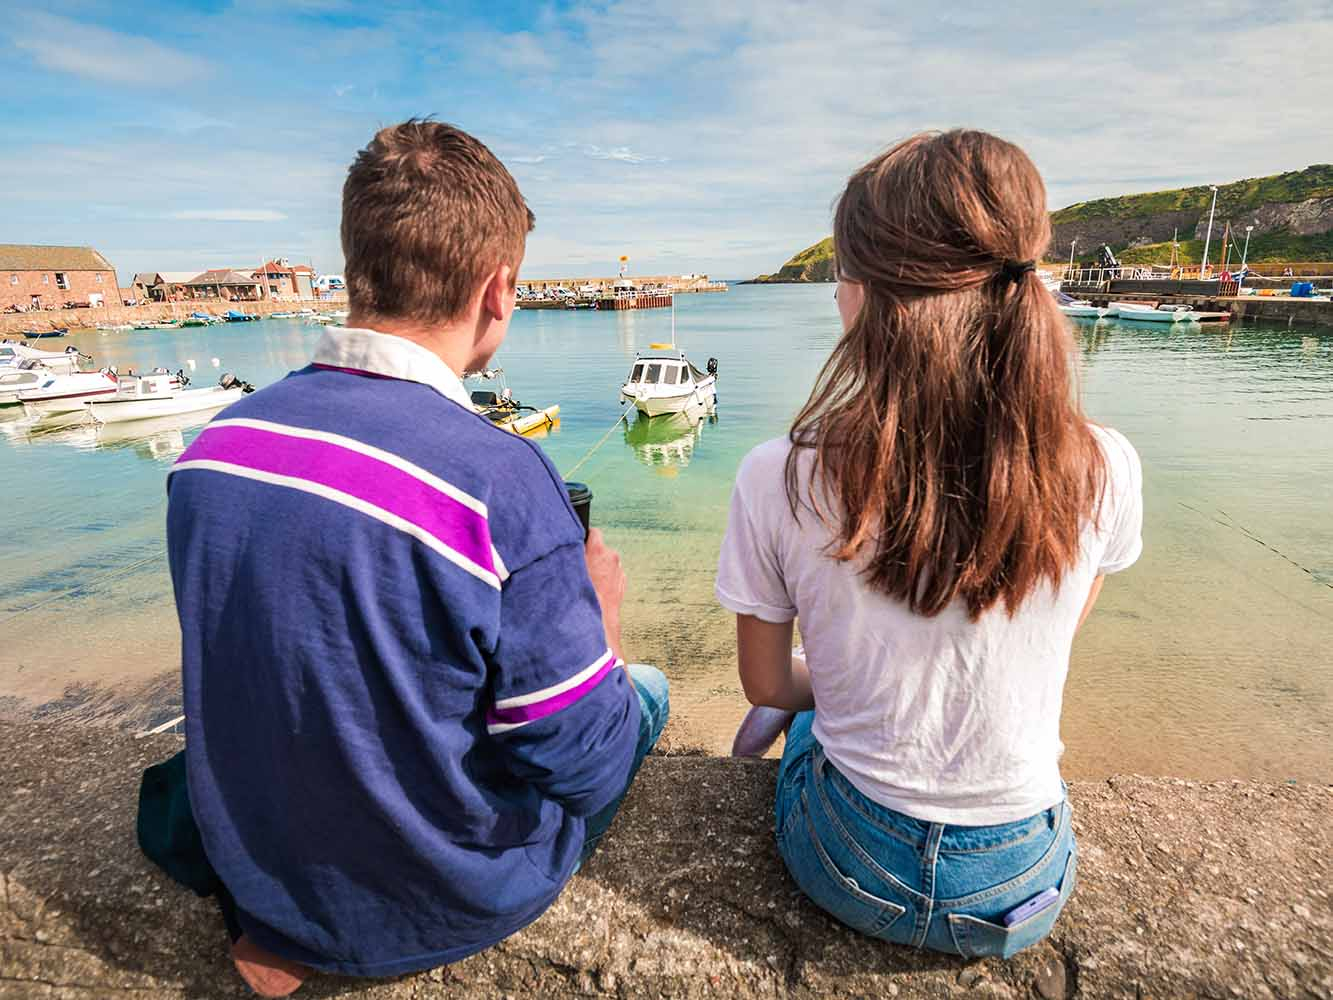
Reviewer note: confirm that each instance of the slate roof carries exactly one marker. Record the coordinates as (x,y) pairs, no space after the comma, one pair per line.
(221,276)
(28,257)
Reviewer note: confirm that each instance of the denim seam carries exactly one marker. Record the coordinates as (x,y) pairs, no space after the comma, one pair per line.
(850,885)
(914,843)
(929,861)
(856,848)
(1005,845)
(1027,876)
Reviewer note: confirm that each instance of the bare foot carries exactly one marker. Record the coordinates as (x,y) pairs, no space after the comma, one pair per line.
(267,974)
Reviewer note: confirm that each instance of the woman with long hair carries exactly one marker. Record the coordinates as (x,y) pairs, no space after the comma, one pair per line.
(939,520)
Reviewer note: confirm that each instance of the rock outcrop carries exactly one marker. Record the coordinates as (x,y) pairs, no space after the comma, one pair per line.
(1185,889)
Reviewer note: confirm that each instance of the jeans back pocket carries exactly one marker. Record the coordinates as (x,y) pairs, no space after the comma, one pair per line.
(978,938)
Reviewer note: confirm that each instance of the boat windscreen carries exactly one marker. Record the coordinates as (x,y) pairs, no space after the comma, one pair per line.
(637,374)
(654,374)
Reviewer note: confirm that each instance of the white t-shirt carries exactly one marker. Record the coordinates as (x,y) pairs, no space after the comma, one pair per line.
(944,719)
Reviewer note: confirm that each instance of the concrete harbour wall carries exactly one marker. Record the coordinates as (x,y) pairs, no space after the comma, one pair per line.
(11,324)
(1185,889)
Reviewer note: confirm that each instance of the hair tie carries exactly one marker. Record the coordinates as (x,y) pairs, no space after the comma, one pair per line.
(1013,270)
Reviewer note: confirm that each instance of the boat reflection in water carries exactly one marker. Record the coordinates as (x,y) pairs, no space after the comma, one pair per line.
(157,439)
(666,443)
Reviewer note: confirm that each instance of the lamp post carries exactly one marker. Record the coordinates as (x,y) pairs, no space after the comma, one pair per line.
(1244,256)
(1208,238)
(1071,258)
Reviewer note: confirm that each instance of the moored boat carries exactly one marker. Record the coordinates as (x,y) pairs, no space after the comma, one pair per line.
(500,407)
(60,362)
(45,334)
(67,393)
(1143,313)
(162,394)
(663,381)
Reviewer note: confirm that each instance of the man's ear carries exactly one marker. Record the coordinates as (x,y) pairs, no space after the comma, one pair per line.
(495,296)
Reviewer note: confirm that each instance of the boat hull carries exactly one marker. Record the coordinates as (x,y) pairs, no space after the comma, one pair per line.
(114,411)
(67,403)
(702,397)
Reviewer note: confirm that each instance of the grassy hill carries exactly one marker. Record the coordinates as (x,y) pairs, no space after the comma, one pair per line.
(1292,214)
(1273,247)
(814,263)
(1232,199)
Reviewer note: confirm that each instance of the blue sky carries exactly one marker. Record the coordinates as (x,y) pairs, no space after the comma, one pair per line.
(692,135)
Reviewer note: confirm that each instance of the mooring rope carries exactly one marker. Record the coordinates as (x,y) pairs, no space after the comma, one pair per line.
(589,453)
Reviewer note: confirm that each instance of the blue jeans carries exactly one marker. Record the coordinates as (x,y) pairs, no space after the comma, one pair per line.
(896,878)
(654,706)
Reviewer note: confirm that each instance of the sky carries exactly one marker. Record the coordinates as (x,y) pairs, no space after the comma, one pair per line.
(691,135)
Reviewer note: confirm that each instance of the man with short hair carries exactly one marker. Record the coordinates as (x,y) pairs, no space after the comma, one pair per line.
(407,715)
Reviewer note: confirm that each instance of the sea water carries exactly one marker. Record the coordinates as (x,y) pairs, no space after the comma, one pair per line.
(1209,658)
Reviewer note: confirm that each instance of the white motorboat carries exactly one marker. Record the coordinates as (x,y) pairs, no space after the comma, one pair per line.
(1142,313)
(13,355)
(1079,309)
(162,394)
(13,380)
(664,381)
(67,393)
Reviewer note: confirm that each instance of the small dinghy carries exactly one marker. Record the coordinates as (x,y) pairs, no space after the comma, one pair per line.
(162,394)
(499,406)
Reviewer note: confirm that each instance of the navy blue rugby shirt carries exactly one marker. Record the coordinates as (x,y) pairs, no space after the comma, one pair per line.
(400,703)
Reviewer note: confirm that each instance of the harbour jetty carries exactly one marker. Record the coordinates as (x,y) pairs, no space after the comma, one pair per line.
(1217,889)
(616,293)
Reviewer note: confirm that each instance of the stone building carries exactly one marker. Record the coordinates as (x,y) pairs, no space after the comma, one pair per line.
(47,277)
(161,286)
(224,283)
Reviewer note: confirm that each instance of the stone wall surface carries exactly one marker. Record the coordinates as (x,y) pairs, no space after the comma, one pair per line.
(1186,889)
(12,324)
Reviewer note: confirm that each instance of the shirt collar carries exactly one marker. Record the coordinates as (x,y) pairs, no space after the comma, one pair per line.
(375,353)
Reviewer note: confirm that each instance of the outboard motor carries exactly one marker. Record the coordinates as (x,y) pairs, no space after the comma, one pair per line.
(712,366)
(230,381)
(182,378)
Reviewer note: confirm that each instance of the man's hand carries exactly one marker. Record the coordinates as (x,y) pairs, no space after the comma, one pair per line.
(608,579)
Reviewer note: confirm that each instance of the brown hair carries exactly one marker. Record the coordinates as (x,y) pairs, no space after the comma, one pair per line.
(428,212)
(944,425)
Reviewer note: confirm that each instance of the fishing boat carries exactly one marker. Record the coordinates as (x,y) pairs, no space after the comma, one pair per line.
(45,334)
(663,381)
(236,316)
(161,393)
(67,393)
(1142,313)
(499,406)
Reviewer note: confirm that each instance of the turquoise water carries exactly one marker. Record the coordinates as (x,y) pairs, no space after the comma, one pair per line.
(1208,659)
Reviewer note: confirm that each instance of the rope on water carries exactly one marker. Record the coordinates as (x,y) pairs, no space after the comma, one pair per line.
(108,575)
(587,455)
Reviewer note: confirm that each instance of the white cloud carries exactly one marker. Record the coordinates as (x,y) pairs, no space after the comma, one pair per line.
(622,153)
(526,159)
(70,46)
(228,215)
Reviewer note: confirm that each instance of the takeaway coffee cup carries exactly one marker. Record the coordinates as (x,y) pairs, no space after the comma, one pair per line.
(581,497)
